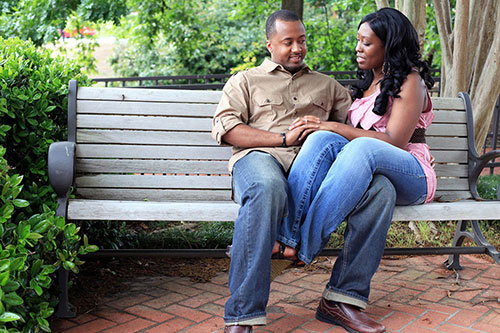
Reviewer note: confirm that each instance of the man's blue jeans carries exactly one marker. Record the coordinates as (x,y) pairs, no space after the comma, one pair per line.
(324,193)
(261,189)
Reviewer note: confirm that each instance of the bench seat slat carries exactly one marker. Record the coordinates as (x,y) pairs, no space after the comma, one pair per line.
(227,211)
(151,166)
(149,95)
(449,156)
(145,123)
(154,181)
(145,137)
(449,117)
(447,143)
(447,103)
(154,194)
(160,152)
(146,109)
(453,130)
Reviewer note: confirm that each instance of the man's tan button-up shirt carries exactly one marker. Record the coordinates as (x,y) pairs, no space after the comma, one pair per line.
(269,98)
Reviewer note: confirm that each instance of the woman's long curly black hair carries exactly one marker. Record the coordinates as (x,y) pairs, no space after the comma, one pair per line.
(402,53)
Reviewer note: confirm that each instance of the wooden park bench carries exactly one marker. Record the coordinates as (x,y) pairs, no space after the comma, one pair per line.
(147,155)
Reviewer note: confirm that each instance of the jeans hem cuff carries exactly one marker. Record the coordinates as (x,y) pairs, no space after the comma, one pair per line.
(335,296)
(257,321)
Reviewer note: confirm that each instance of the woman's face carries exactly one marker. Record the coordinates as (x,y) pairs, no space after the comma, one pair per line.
(370,51)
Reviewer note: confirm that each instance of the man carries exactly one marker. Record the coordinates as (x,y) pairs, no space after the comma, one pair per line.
(256,109)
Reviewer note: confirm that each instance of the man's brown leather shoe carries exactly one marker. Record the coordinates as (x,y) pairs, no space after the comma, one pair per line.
(348,316)
(238,329)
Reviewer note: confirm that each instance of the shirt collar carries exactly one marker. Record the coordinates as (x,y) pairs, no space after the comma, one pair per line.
(269,66)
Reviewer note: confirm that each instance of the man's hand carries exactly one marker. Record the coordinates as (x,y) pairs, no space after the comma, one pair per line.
(301,128)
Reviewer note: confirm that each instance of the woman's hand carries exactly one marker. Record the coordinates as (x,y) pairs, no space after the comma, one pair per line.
(301,128)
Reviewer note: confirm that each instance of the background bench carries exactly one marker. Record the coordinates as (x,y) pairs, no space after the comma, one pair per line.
(147,155)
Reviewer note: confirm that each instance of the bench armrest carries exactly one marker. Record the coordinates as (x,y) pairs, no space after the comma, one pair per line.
(479,164)
(61,164)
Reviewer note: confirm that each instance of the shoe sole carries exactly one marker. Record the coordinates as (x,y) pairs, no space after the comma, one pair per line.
(327,319)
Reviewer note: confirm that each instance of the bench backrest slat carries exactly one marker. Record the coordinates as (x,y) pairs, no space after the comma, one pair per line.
(148,144)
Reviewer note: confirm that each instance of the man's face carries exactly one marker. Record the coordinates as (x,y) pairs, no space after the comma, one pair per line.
(288,45)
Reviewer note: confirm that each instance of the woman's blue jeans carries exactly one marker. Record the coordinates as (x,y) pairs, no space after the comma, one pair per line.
(328,184)
(260,188)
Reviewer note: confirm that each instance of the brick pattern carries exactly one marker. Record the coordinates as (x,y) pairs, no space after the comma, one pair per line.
(413,294)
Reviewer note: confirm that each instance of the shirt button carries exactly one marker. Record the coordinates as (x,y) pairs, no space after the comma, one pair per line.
(294,98)
(295,113)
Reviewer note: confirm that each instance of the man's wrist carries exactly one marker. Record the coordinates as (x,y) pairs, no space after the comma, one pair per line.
(283,138)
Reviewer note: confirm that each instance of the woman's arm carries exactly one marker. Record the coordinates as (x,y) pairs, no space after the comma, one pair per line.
(402,122)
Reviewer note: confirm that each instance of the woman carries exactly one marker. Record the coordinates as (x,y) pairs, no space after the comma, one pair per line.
(390,112)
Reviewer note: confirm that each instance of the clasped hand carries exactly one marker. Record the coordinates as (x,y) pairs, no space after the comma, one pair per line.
(301,128)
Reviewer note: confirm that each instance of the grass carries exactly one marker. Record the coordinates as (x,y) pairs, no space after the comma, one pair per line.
(217,235)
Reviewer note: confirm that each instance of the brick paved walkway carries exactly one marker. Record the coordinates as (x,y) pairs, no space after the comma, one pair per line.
(408,295)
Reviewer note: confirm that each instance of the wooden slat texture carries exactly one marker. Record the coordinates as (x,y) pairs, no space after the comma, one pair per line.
(450,117)
(227,211)
(446,130)
(149,95)
(146,108)
(451,170)
(449,156)
(450,196)
(452,184)
(154,181)
(447,103)
(151,211)
(447,143)
(144,123)
(161,152)
(145,137)
(151,166)
(154,194)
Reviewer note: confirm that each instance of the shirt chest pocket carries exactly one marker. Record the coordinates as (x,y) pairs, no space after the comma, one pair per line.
(316,105)
(267,108)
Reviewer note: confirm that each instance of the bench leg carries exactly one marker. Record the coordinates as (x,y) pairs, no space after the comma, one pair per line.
(453,261)
(64,308)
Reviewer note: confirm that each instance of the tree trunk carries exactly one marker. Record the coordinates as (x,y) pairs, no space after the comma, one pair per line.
(415,11)
(382,3)
(296,6)
(459,62)
(487,90)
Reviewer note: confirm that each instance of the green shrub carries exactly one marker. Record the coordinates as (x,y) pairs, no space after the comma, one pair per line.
(33,114)
(31,251)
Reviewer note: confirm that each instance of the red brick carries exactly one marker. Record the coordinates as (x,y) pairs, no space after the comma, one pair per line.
(83,318)
(431,319)
(286,324)
(212,308)
(285,288)
(433,295)
(415,329)
(127,301)
(402,295)
(409,284)
(455,329)
(92,326)
(214,288)
(410,274)
(131,326)
(200,299)
(164,301)
(290,276)
(297,310)
(493,318)
(59,325)
(486,327)
(209,325)
(113,314)
(465,318)
(187,313)
(149,313)
(317,326)
(397,320)
(493,272)
(174,325)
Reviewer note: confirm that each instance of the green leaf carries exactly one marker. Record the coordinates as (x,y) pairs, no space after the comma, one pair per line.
(4,264)
(4,277)
(17,264)
(13,299)
(34,235)
(8,317)
(20,203)
(36,266)
(11,286)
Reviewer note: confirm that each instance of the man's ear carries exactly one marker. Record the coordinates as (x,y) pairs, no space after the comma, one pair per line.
(269,46)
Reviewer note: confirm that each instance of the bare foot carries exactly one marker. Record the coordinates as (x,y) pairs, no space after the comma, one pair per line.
(284,252)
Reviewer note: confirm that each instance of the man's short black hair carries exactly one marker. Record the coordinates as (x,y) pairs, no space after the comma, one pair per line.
(283,15)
